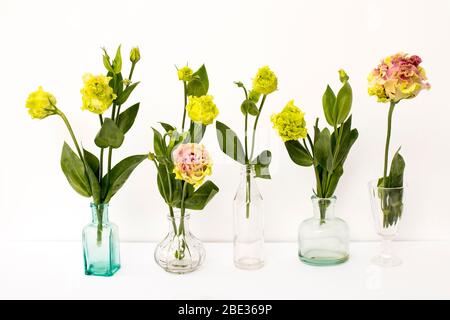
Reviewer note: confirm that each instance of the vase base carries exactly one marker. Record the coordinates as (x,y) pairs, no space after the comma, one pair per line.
(386,261)
(249,263)
(178,268)
(321,259)
(101,270)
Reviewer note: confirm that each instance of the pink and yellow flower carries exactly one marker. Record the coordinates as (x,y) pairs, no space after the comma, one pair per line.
(192,163)
(397,77)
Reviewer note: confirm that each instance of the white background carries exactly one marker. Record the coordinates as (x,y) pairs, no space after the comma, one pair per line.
(52,43)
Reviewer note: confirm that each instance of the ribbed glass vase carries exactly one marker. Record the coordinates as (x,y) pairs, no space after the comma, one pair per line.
(180,251)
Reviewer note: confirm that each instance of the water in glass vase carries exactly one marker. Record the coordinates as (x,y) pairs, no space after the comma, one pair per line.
(248,223)
(101,244)
(180,251)
(323,239)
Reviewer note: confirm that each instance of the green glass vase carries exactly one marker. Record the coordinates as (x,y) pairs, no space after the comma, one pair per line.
(323,240)
(101,244)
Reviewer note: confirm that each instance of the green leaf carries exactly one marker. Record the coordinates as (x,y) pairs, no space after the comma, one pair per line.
(126,118)
(117,84)
(196,133)
(73,168)
(199,85)
(116,178)
(329,105)
(92,161)
(298,154)
(123,97)
(196,88)
(106,61)
(203,76)
(334,180)
(163,182)
(397,170)
(92,165)
(261,164)
(117,63)
(264,158)
(177,187)
(159,145)
(248,106)
(229,142)
(175,140)
(201,197)
(344,103)
(109,135)
(348,138)
(167,127)
(346,144)
(322,150)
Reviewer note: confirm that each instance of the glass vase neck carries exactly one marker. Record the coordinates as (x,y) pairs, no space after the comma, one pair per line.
(323,208)
(100,213)
(248,169)
(175,215)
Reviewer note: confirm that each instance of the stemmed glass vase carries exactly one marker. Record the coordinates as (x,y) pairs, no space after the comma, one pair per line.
(387,209)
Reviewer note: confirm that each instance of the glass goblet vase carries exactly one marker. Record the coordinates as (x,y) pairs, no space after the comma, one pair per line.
(387,208)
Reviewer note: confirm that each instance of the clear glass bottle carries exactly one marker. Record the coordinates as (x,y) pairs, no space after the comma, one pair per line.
(323,240)
(101,244)
(180,251)
(248,222)
(387,208)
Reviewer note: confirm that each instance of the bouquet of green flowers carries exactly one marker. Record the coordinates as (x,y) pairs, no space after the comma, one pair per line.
(86,172)
(328,150)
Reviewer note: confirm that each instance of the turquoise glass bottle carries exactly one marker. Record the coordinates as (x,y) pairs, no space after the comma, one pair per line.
(101,244)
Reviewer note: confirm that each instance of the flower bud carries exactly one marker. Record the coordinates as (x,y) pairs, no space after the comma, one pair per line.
(343,76)
(135,55)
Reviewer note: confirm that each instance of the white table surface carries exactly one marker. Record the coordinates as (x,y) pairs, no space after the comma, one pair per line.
(54,270)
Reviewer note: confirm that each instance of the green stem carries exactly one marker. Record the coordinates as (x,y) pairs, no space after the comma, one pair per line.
(388,140)
(256,124)
(172,216)
(69,127)
(191,131)
(183,195)
(99,225)
(185,104)
(131,71)
(102,151)
(247,171)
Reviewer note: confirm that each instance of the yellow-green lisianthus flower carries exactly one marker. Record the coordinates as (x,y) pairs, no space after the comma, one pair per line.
(41,104)
(290,123)
(185,74)
(97,95)
(202,109)
(135,55)
(265,81)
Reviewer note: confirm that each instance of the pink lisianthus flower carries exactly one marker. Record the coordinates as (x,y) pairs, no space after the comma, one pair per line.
(192,163)
(398,77)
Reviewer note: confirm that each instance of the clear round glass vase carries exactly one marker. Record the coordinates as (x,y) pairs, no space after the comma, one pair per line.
(248,222)
(323,240)
(387,209)
(101,244)
(180,251)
